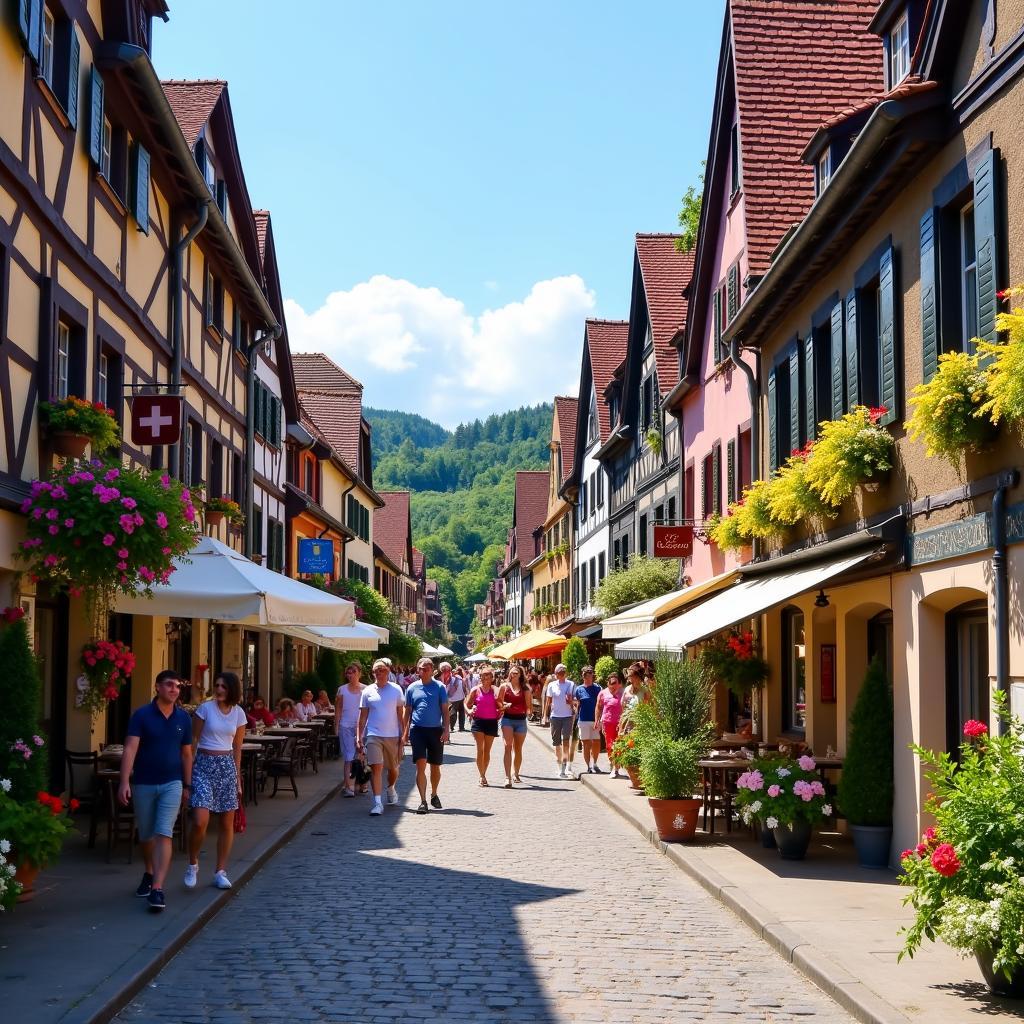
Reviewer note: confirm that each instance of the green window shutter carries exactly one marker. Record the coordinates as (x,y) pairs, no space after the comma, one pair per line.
(852,381)
(30,25)
(717,306)
(837,360)
(794,400)
(733,289)
(887,337)
(773,423)
(986,220)
(703,488)
(74,64)
(730,471)
(929,296)
(810,374)
(716,478)
(236,326)
(95,116)
(276,426)
(140,192)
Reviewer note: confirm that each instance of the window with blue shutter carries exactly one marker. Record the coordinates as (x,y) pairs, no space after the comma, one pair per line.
(811,364)
(140,187)
(71,83)
(795,405)
(986,223)
(838,394)
(717,306)
(733,291)
(773,421)
(95,116)
(890,363)
(929,295)
(716,478)
(30,25)
(730,471)
(852,343)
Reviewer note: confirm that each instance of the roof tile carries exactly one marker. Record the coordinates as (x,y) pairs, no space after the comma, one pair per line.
(337,419)
(530,511)
(568,409)
(666,272)
(316,372)
(606,342)
(392,531)
(192,102)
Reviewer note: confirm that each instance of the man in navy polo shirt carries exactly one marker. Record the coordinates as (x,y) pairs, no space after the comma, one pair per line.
(159,749)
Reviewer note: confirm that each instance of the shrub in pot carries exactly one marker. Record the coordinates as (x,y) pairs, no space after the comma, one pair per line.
(866,786)
(670,776)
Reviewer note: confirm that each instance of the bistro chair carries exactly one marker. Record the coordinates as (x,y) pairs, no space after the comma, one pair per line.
(283,766)
(306,747)
(120,823)
(84,790)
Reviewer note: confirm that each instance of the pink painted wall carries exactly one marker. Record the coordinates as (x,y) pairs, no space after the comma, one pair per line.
(715,410)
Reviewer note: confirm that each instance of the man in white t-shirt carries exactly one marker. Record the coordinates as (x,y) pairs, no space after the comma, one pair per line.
(379,732)
(558,711)
(457,693)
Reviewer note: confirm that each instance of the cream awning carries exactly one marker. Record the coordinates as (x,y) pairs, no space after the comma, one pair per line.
(641,618)
(741,601)
(360,637)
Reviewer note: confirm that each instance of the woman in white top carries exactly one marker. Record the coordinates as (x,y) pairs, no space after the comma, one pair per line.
(346,717)
(218,728)
(306,709)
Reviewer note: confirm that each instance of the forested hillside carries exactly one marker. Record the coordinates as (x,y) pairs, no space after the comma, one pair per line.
(463,490)
(391,427)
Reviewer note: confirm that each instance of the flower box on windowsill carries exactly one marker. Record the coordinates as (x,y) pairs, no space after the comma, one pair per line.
(214,518)
(68,444)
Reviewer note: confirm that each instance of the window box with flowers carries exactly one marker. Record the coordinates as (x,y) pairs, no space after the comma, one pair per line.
(218,509)
(73,423)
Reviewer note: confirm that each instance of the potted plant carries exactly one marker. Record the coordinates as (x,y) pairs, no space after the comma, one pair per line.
(217,510)
(670,774)
(106,665)
(72,423)
(625,753)
(733,659)
(850,451)
(964,876)
(866,787)
(36,829)
(788,797)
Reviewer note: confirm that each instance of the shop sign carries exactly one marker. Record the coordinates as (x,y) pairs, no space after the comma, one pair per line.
(1015,524)
(156,419)
(316,556)
(951,541)
(673,541)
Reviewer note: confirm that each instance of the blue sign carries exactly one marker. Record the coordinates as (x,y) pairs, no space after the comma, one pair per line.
(316,556)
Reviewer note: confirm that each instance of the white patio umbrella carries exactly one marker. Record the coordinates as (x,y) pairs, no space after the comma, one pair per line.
(445,652)
(360,637)
(218,583)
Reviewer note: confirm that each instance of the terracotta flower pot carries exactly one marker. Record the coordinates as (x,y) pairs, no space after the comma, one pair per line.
(68,444)
(214,518)
(675,820)
(26,874)
(634,778)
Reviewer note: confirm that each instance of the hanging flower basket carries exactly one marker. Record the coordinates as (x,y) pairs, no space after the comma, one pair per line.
(72,423)
(733,659)
(106,664)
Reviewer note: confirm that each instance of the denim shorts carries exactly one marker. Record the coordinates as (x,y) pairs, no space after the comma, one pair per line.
(156,808)
(347,738)
(515,724)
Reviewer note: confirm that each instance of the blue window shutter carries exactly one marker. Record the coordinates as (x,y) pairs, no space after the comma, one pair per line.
(929,296)
(730,471)
(794,400)
(95,116)
(704,489)
(837,360)
(986,221)
(773,423)
(733,289)
(30,24)
(717,306)
(887,337)
(74,64)
(716,478)
(140,176)
(852,380)
(810,372)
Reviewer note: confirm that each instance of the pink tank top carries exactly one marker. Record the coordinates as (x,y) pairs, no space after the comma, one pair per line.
(486,704)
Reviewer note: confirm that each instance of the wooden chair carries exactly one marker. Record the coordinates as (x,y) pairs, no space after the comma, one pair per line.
(120,823)
(283,766)
(86,793)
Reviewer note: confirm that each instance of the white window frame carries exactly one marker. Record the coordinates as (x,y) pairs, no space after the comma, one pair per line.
(46,50)
(102,378)
(824,170)
(105,147)
(968,278)
(210,173)
(63,358)
(899,51)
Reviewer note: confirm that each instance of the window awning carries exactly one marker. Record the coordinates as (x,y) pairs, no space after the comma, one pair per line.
(640,619)
(537,643)
(360,637)
(739,602)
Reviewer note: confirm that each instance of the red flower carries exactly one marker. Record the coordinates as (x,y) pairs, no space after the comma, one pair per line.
(876,412)
(74,804)
(921,850)
(1005,294)
(945,861)
(974,729)
(12,614)
(931,834)
(906,853)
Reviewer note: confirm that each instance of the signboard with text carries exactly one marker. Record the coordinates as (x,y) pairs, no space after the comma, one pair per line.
(156,419)
(316,556)
(673,541)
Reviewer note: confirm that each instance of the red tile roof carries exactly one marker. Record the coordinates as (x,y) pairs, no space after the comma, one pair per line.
(192,103)
(417,562)
(666,272)
(568,409)
(262,218)
(316,372)
(530,511)
(606,343)
(337,418)
(797,62)
(392,530)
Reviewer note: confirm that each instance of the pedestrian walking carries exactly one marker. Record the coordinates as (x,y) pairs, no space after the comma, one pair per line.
(513,699)
(218,729)
(156,772)
(558,713)
(379,732)
(346,718)
(638,690)
(609,711)
(426,728)
(482,705)
(457,689)
(585,698)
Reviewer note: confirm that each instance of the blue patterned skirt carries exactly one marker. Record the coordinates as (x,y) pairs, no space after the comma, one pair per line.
(214,783)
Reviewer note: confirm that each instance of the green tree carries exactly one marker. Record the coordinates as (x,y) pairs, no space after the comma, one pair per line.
(328,668)
(689,215)
(641,580)
(574,657)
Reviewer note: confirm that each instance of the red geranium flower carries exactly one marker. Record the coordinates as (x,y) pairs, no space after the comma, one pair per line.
(974,729)
(944,860)
(74,804)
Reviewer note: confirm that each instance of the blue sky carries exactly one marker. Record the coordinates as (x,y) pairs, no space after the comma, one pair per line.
(455,186)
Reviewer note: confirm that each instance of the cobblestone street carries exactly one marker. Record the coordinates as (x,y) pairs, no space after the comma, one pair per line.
(537,904)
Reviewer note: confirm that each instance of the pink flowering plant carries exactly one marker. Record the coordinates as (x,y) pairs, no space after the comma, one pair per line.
(779,791)
(966,875)
(107,664)
(100,529)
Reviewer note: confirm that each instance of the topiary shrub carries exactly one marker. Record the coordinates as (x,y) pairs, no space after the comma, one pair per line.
(574,657)
(866,785)
(683,698)
(604,667)
(22,754)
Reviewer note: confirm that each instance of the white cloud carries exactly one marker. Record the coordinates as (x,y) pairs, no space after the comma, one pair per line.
(418,349)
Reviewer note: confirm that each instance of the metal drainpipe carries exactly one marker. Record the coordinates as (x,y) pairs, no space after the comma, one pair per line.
(1002,594)
(177,327)
(250,429)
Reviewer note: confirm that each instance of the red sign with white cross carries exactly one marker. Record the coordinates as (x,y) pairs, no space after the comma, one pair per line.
(156,419)
(673,541)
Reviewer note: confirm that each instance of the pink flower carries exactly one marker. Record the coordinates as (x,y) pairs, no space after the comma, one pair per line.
(931,834)
(165,482)
(122,566)
(68,524)
(807,763)
(122,552)
(58,492)
(111,474)
(165,551)
(774,790)
(54,529)
(945,860)
(127,524)
(906,853)
(161,520)
(52,514)
(974,729)
(108,540)
(129,503)
(817,788)
(921,850)
(26,506)
(50,561)
(37,513)
(190,513)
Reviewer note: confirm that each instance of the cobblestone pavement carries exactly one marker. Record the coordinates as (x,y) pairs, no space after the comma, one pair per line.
(536,904)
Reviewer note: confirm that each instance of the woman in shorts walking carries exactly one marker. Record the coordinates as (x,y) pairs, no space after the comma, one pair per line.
(482,706)
(218,729)
(346,715)
(513,698)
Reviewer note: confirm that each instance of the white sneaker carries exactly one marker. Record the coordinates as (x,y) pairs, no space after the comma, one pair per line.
(563,771)
(377,808)
(220,879)
(191,876)
(392,795)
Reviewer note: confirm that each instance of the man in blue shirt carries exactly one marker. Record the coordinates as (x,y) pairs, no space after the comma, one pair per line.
(156,770)
(427,730)
(584,700)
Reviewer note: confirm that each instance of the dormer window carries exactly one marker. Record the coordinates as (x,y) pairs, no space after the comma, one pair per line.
(899,51)
(823,172)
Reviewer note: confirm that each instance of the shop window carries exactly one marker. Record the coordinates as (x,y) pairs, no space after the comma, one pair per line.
(967,675)
(794,677)
(880,641)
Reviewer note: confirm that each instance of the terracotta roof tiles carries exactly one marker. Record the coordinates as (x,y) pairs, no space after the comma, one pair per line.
(666,272)
(338,421)
(531,507)
(262,218)
(606,343)
(192,102)
(568,409)
(417,562)
(316,372)
(391,527)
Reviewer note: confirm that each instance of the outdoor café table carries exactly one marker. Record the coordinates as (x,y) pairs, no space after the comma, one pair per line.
(715,772)
(734,744)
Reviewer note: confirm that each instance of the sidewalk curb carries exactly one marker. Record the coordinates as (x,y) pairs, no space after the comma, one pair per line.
(116,991)
(836,982)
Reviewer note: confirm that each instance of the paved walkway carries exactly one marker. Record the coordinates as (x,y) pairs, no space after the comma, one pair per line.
(538,904)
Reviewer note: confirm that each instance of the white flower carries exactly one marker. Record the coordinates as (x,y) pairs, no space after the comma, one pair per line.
(755,807)
(772,822)
(5,846)
(782,772)
(5,785)
(826,809)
